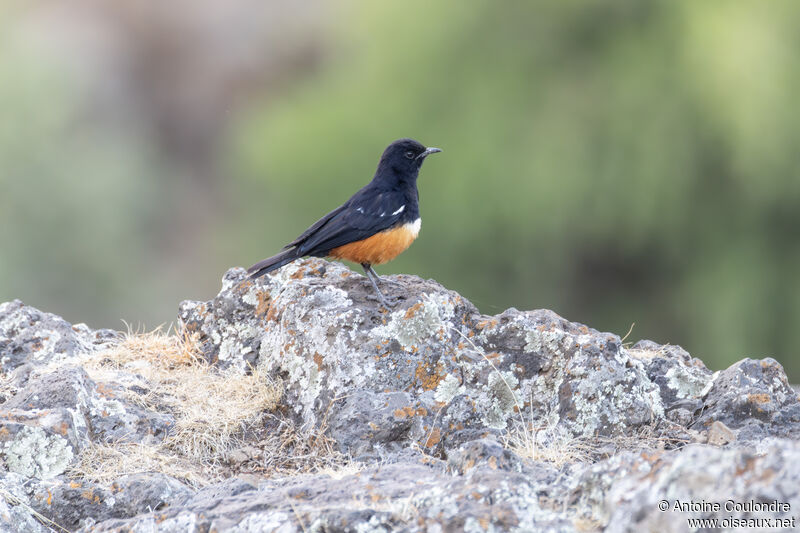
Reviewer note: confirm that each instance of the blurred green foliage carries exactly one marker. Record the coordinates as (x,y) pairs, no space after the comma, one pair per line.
(619,162)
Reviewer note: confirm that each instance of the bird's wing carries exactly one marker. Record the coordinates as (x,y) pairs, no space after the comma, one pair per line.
(361,217)
(314,227)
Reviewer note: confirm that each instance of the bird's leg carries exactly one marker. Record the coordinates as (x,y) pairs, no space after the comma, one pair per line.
(374,278)
(378,278)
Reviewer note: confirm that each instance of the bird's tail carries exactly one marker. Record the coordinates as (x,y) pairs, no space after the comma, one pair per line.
(272,263)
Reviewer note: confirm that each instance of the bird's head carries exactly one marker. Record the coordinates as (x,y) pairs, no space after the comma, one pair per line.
(403,158)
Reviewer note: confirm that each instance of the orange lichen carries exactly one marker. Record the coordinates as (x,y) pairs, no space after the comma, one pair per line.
(272,313)
(413,310)
(428,376)
(104,390)
(264,298)
(434,438)
(758,398)
(404,412)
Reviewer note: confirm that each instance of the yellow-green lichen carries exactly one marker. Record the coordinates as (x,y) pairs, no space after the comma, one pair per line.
(33,453)
(411,328)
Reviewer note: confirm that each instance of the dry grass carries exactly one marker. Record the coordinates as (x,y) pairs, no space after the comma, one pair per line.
(213,409)
(549,443)
(104,463)
(224,420)
(288,451)
(554,444)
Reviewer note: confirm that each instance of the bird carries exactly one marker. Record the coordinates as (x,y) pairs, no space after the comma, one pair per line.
(377,223)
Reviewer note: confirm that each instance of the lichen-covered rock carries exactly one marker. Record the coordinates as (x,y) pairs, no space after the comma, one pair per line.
(754,398)
(16,515)
(434,365)
(662,491)
(482,452)
(34,453)
(72,504)
(61,411)
(683,380)
(405,496)
(421,396)
(28,335)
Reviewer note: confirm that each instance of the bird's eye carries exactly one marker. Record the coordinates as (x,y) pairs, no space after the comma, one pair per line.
(410,154)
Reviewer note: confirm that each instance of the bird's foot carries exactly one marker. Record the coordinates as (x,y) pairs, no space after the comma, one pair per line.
(387,279)
(387,302)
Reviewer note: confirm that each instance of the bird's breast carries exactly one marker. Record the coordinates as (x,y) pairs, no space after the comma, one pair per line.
(381,247)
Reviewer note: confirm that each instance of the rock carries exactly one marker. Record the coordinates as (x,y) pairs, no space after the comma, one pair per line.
(429,398)
(703,481)
(483,452)
(34,453)
(424,370)
(72,504)
(407,496)
(58,413)
(755,398)
(82,411)
(15,514)
(683,381)
(28,335)
(719,434)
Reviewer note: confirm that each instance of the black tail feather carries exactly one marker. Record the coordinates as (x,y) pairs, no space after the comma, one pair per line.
(272,263)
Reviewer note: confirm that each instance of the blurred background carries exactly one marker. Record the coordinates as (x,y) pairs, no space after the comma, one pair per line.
(619,162)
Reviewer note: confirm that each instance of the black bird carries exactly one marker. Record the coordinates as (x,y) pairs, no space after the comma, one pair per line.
(371,228)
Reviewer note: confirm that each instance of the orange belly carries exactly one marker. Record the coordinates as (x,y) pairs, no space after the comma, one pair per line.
(381,247)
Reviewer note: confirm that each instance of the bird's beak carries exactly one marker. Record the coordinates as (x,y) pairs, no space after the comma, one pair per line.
(427,152)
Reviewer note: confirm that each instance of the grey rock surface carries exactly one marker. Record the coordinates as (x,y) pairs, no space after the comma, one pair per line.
(428,368)
(28,335)
(456,421)
(707,482)
(754,398)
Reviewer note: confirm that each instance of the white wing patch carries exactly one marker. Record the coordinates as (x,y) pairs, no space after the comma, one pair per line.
(399,210)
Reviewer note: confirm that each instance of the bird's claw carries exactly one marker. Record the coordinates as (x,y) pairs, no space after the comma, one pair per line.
(388,303)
